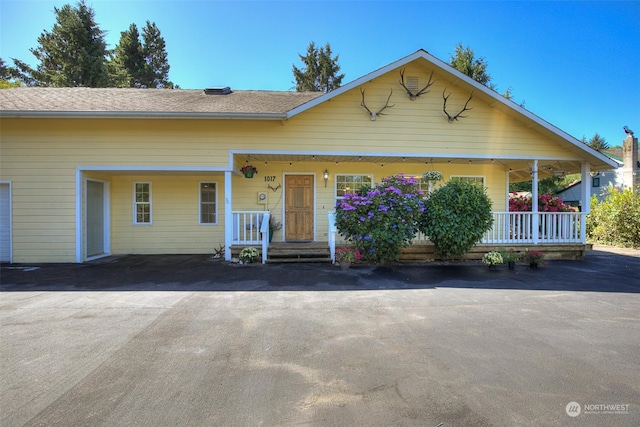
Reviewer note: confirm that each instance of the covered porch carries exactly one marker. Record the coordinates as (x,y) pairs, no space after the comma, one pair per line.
(551,230)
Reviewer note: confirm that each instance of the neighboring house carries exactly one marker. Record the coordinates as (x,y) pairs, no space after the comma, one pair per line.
(90,172)
(601,183)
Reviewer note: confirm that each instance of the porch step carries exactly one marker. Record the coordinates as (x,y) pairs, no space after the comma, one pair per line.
(298,252)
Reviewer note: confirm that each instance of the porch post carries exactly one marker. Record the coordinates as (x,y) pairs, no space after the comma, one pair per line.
(535,215)
(585,200)
(228,216)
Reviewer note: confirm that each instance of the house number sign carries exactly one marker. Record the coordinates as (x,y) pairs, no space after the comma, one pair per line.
(270,178)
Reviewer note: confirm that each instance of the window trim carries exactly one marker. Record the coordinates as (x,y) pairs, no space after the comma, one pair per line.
(215,203)
(484,178)
(136,203)
(335,193)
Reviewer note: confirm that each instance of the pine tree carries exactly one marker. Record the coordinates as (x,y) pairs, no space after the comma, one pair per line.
(73,53)
(598,143)
(464,60)
(319,73)
(127,60)
(156,69)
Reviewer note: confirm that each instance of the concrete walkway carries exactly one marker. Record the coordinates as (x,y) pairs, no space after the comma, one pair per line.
(183,340)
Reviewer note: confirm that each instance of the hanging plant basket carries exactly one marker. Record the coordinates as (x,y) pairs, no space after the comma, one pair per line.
(432,176)
(248,171)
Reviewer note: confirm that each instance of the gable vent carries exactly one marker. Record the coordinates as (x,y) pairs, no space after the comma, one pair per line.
(412,83)
(218,90)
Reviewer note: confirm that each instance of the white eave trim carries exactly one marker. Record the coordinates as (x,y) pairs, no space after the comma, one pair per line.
(139,115)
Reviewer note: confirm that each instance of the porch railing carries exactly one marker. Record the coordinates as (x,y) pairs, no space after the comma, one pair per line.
(521,227)
(513,228)
(251,228)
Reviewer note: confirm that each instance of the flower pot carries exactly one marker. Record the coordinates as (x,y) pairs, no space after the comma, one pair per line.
(248,174)
(345,265)
(512,265)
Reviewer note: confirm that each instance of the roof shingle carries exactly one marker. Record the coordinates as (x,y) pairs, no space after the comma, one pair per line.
(117,100)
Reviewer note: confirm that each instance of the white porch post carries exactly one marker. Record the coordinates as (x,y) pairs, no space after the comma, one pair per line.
(585,199)
(535,217)
(228,216)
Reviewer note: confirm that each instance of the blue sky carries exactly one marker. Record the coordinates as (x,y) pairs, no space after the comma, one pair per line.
(574,64)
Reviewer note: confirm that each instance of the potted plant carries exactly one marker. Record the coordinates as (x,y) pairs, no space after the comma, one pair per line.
(510,257)
(248,255)
(248,170)
(491,259)
(346,255)
(534,258)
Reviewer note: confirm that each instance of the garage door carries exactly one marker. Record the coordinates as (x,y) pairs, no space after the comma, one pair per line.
(5,222)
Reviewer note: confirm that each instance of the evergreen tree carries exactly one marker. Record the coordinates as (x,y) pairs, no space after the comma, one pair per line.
(73,53)
(598,143)
(156,69)
(127,59)
(8,76)
(465,61)
(319,73)
(141,64)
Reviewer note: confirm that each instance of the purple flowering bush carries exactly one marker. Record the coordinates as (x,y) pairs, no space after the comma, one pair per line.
(380,221)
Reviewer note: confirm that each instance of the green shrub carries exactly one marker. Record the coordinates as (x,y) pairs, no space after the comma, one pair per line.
(616,220)
(456,217)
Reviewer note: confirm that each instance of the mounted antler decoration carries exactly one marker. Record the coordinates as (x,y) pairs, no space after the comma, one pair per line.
(379,112)
(449,116)
(413,96)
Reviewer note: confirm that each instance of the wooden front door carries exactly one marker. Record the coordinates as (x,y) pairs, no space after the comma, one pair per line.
(298,208)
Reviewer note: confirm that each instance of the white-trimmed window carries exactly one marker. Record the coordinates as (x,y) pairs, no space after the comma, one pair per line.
(142,203)
(346,184)
(477,180)
(208,203)
(425,185)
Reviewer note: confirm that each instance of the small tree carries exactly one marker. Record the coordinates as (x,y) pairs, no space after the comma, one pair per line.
(616,220)
(380,221)
(455,218)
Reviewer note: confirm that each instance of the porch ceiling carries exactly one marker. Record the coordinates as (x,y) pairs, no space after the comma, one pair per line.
(520,168)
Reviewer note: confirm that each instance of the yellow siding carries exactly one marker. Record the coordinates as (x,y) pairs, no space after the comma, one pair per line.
(40,157)
(175,224)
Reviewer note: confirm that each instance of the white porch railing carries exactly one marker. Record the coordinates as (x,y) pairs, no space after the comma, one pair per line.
(251,228)
(512,228)
(518,227)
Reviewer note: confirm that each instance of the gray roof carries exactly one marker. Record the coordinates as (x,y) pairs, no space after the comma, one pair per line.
(28,101)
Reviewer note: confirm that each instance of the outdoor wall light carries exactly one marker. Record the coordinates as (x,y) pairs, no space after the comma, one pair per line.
(325,175)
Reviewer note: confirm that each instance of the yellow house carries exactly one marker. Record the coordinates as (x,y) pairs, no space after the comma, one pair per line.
(87,173)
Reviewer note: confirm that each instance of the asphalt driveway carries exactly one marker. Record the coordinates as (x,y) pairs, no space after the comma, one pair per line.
(187,340)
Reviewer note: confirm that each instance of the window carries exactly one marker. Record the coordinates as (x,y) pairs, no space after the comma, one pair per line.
(477,180)
(208,205)
(425,185)
(596,181)
(142,203)
(346,184)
